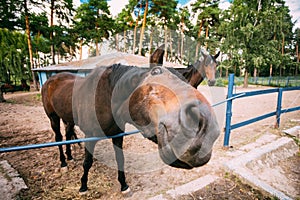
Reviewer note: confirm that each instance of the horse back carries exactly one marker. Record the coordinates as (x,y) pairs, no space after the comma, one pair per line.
(57,95)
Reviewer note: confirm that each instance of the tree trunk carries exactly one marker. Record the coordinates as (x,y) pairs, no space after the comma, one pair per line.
(80,49)
(29,45)
(143,28)
(151,41)
(166,41)
(171,49)
(181,40)
(271,69)
(117,42)
(255,73)
(134,36)
(125,40)
(100,48)
(282,53)
(97,48)
(181,47)
(135,29)
(51,31)
(246,79)
(298,58)
(198,40)
(206,37)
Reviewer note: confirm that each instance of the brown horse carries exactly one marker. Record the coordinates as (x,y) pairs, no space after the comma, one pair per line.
(194,74)
(164,108)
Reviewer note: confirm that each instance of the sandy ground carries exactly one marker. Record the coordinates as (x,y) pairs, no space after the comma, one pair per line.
(23,121)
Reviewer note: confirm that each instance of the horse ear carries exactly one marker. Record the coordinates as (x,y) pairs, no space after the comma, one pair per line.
(217,55)
(157,58)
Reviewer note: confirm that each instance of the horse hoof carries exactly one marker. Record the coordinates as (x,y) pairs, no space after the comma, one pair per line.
(70,158)
(64,169)
(64,164)
(127,192)
(83,191)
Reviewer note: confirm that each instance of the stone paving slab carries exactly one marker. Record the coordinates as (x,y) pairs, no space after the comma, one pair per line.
(246,165)
(10,181)
(295,131)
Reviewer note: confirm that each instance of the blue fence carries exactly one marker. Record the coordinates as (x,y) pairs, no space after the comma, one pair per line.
(232,96)
(228,126)
(51,144)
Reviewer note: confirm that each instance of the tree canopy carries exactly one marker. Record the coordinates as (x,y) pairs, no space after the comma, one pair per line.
(256,37)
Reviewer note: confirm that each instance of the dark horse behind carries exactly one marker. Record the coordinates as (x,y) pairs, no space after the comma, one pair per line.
(163,106)
(7,87)
(204,67)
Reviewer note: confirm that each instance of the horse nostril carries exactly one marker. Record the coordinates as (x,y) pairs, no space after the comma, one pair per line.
(193,114)
(190,117)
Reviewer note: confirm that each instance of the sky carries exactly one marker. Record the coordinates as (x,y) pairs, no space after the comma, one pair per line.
(294,6)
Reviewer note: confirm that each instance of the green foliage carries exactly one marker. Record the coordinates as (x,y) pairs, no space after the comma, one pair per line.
(256,35)
(93,22)
(252,35)
(13,56)
(165,11)
(9,11)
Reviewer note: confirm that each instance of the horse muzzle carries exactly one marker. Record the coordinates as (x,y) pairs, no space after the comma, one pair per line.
(188,143)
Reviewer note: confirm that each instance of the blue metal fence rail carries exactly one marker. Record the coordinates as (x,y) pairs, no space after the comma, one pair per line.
(51,144)
(231,96)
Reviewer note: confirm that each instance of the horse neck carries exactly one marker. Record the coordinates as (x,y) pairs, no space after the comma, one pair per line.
(199,67)
(196,74)
(196,78)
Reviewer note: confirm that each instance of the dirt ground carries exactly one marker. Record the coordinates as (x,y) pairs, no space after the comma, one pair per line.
(23,122)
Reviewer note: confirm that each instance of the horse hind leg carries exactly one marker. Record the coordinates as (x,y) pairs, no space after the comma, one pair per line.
(55,124)
(69,133)
(118,148)
(87,164)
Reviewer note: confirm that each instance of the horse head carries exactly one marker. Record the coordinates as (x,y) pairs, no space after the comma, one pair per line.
(207,66)
(172,114)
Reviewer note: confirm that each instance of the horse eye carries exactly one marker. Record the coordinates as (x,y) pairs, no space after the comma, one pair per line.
(156,71)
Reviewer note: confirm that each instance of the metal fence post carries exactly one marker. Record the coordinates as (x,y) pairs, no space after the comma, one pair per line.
(278,109)
(228,110)
(287,81)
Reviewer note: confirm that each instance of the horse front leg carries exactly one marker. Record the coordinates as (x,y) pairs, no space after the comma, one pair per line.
(118,147)
(87,164)
(69,133)
(55,124)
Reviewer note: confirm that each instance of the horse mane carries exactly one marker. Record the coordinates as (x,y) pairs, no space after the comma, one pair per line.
(118,70)
(124,79)
(177,73)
